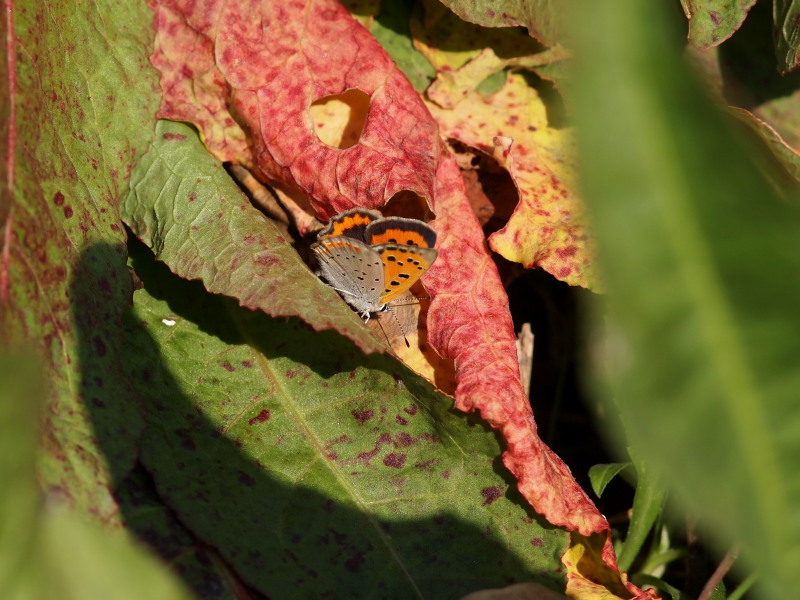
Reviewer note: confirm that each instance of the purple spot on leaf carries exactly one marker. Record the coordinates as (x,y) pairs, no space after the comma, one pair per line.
(411,410)
(362,416)
(490,494)
(186,439)
(394,460)
(262,416)
(264,260)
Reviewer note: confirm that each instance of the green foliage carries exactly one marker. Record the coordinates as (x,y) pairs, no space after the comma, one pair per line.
(284,456)
(699,255)
(601,475)
(277,444)
(45,551)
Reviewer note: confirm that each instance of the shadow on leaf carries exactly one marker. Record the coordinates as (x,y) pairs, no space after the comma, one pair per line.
(305,467)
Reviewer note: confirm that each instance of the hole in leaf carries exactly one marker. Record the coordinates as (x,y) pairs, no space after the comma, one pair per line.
(339,120)
(406,203)
(490,188)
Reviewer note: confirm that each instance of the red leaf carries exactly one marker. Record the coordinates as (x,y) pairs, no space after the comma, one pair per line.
(246,73)
(469,321)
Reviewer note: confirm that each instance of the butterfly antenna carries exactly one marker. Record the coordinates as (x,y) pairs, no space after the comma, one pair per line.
(410,302)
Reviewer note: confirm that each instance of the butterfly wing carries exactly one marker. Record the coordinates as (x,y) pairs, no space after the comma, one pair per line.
(401,231)
(353,269)
(402,267)
(351,223)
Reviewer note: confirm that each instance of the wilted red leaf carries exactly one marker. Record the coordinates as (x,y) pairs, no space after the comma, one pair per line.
(246,73)
(469,321)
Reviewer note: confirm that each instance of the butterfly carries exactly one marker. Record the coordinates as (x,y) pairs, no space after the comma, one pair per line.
(371,259)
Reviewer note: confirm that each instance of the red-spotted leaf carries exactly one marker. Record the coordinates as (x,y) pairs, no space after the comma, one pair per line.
(184,205)
(469,321)
(248,84)
(78,109)
(548,228)
(316,471)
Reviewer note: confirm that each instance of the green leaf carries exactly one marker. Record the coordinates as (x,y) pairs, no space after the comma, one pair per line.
(786,35)
(45,551)
(392,31)
(82,561)
(648,502)
(700,259)
(543,18)
(184,205)
(662,587)
(20,400)
(601,475)
(316,470)
(711,22)
(84,100)
(149,519)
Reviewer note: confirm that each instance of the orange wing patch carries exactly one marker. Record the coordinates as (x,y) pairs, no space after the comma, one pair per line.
(351,223)
(403,265)
(404,232)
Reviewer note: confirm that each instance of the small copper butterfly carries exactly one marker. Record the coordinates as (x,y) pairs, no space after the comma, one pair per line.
(371,259)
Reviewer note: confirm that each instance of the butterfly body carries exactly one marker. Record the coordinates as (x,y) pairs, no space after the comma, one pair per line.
(370,259)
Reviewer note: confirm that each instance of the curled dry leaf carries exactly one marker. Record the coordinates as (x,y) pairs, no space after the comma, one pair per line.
(246,73)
